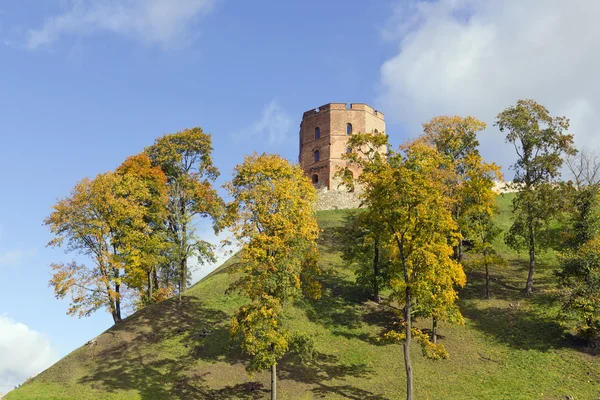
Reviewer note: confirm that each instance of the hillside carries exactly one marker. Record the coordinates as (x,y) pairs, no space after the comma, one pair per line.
(172,351)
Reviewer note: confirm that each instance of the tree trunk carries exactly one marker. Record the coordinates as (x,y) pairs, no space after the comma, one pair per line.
(458,248)
(155,277)
(487,282)
(117,314)
(434,330)
(183,257)
(183,277)
(149,287)
(529,285)
(406,346)
(273,382)
(407,320)
(376,297)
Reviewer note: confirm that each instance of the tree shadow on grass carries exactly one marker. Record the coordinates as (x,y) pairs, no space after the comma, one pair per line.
(339,305)
(500,287)
(518,327)
(172,350)
(330,240)
(505,284)
(322,371)
(144,353)
(344,309)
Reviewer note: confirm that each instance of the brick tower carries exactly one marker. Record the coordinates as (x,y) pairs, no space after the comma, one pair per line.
(323,135)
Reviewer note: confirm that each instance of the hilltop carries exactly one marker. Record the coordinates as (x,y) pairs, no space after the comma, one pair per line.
(510,347)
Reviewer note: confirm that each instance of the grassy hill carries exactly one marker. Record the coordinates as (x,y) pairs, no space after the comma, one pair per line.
(182,351)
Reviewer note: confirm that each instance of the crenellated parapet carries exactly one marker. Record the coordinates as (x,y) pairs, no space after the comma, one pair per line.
(343,106)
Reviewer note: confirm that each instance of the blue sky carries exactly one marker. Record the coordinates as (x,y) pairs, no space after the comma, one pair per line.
(86,83)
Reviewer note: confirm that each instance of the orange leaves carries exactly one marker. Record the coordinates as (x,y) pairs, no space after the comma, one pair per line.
(112,219)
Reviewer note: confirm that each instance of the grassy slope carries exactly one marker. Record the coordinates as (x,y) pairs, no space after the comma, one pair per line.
(501,352)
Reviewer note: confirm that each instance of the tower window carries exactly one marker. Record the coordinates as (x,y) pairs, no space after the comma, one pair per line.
(348,129)
(376,131)
(317,155)
(315,178)
(317,132)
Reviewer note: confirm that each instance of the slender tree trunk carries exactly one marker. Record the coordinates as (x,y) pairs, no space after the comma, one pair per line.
(155,277)
(434,330)
(183,277)
(150,287)
(407,320)
(273,382)
(529,285)
(183,259)
(487,282)
(458,248)
(376,297)
(117,295)
(408,327)
(406,346)
(117,316)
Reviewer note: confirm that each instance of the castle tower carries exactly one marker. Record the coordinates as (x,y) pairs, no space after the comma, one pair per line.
(324,133)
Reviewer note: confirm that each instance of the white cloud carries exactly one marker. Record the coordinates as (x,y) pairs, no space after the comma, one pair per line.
(222,253)
(273,128)
(23,353)
(471,57)
(167,23)
(13,258)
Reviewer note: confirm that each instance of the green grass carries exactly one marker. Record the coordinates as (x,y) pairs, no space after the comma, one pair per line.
(501,352)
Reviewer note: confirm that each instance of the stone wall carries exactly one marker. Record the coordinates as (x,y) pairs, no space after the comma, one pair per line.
(502,187)
(340,199)
(336,199)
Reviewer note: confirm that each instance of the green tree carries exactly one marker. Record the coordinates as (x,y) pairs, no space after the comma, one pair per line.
(540,143)
(272,217)
(407,190)
(480,210)
(185,158)
(488,256)
(364,246)
(579,275)
(363,237)
(579,280)
(584,198)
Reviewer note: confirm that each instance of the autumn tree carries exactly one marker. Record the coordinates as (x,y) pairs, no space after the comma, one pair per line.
(407,190)
(540,143)
(185,158)
(271,216)
(113,219)
(456,139)
(145,245)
